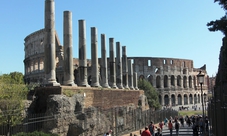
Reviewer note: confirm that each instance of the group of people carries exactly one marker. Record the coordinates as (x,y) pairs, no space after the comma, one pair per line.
(150,129)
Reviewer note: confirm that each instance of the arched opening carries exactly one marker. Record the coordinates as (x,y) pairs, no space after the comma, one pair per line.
(160,99)
(185,99)
(179,81)
(166,100)
(179,98)
(150,79)
(195,99)
(173,100)
(165,81)
(190,99)
(172,80)
(190,81)
(158,82)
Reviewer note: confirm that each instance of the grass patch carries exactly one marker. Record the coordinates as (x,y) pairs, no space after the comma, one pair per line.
(68,93)
(190,113)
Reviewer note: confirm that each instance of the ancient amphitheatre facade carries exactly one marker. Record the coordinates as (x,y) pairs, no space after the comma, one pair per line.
(175,79)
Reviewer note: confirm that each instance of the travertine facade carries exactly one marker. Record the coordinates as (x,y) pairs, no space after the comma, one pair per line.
(175,79)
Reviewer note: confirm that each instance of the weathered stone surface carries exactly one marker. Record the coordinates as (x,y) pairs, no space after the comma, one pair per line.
(72,119)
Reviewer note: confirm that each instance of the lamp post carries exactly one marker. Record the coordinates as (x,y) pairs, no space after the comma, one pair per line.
(200,78)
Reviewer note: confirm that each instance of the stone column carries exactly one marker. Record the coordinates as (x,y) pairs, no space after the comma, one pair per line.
(112,64)
(125,67)
(176,100)
(135,82)
(82,55)
(94,58)
(169,81)
(68,50)
(130,74)
(119,65)
(154,81)
(161,81)
(104,73)
(181,82)
(163,100)
(175,82)
(49,45)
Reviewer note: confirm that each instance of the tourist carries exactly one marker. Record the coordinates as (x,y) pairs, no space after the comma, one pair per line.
(166,121)
(146,132)
(151,128)
(170,126)
(177,126)
(160,125)
(158,133)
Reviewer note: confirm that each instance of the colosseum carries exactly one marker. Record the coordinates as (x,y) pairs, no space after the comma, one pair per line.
(174,79)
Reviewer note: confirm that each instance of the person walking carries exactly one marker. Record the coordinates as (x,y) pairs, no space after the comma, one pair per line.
(177,126)
(158,133)
(146,132)
(151,128)
(170,126)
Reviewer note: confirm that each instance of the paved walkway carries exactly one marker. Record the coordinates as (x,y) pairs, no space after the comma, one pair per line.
(184,131)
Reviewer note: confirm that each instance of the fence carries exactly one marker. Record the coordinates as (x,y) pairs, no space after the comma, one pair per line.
(121,120)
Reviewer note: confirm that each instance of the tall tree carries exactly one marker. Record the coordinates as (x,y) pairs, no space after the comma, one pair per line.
(150,92)
(12,95)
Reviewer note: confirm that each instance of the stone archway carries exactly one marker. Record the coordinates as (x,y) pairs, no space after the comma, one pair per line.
(165,81)
(150,79)
(195,99)
(173,100)
(190,99)
(172,80)
(179,81)
(158,82)
(166,100)
(179,98)
(185,99)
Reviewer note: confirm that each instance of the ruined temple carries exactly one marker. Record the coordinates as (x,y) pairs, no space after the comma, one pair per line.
(71,86)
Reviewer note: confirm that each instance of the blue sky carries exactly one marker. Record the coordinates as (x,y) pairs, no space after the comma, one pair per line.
(149,28)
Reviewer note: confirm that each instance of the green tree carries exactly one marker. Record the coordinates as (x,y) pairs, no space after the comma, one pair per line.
(220,24)
(150,92)
(12,95)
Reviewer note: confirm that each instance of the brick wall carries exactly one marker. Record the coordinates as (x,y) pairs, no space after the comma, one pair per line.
(107,98)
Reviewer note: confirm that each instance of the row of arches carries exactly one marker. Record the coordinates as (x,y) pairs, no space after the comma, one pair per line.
(180,99)
(165,81)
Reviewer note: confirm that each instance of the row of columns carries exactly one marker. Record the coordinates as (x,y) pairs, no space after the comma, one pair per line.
(116,74)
